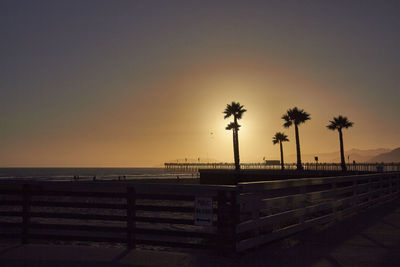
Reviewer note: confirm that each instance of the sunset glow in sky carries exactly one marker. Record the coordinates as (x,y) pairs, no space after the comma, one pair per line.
(139,83)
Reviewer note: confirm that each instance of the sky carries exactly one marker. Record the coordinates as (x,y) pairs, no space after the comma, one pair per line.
(140,83)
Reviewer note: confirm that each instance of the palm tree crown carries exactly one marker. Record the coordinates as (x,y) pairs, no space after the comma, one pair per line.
(235,109)
(296,116)
(232,126)
(340,122)
(279,137)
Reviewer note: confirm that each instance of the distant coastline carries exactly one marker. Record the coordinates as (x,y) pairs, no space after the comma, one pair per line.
(52,173)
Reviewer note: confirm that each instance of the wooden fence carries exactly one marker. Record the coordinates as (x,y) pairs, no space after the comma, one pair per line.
(243,216)
(275,209)
(137,215)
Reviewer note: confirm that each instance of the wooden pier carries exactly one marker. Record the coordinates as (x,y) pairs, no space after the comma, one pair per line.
(275,165)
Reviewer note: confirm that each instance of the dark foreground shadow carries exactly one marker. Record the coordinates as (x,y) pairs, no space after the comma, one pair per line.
(320,246)
(330,245)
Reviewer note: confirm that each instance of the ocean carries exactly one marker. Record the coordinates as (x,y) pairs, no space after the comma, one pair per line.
(89,173)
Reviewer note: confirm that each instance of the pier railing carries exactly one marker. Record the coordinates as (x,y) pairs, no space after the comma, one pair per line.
(360,167)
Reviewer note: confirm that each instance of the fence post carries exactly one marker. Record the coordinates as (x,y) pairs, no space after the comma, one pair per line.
(370,189)
(26,207)
(334,203)
(255,210)
(355,187)
(131,220)
(226,224)
(390,184)
(303,203)
(234,219)
(398,183)
(380,188)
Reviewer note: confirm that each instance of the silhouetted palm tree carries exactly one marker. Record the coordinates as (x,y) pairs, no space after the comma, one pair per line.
(236,110)
(279,138)
(339,123)
(296,116)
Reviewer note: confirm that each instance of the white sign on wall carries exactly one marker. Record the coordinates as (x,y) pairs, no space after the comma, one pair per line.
(203,213)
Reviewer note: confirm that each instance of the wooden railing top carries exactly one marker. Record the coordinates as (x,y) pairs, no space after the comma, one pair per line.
(118,186)
(278,184)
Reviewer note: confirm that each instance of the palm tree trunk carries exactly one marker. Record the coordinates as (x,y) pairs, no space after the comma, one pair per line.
(343,162)
(299,165)
(282,164)
(236,146)
(237,159)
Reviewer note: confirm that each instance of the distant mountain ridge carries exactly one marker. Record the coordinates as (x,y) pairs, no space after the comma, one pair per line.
(391,156)
(357,155)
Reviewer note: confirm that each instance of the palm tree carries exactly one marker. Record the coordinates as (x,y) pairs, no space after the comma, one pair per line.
(279,138)
(236,110)
(340,123)
(296,116)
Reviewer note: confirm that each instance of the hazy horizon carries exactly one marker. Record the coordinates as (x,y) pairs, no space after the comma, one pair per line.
(128,83)
(290,158)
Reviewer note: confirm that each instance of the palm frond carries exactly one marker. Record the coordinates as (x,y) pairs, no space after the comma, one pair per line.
(340,122)
(279,137)
(234,109)
(296,116)
(232,126)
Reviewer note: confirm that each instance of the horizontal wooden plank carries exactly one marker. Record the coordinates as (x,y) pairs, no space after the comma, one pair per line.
(77,194)
(76,238)
(164,208)
(145,188)
(271,185)
(189,209)
(163,243)
(78,204)
(88,228)
(165,197)
(165,220)
(5,191)
(9,235)
(10,225)
(10,213)
(160,232)
(78,216)
(6,202)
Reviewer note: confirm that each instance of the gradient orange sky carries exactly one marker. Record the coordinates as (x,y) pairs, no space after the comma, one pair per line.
(132,84)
